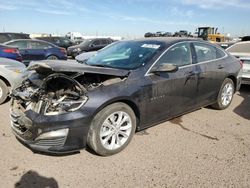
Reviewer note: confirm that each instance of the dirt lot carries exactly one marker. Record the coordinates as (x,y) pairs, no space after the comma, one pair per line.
(206,148)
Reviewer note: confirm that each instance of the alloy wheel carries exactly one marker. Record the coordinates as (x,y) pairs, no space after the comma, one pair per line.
(1,92)
(227,94)
(115,130)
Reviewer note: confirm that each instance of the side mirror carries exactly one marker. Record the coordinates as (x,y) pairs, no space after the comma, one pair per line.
(91,45)
(164,68)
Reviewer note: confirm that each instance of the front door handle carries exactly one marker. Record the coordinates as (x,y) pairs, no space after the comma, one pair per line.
(220,67)
(191,74)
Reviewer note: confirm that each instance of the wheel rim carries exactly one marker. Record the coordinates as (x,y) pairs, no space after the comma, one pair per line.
(227,94)
(1,92)
(52,57)
(115,130)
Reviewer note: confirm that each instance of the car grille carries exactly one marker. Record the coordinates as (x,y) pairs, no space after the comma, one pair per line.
(59,142)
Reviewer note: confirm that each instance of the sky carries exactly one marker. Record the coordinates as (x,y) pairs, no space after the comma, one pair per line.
(126,18)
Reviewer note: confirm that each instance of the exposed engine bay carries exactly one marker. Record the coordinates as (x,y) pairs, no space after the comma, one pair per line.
(58,93)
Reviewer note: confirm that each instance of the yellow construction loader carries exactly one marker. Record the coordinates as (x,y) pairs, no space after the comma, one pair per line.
(211,34)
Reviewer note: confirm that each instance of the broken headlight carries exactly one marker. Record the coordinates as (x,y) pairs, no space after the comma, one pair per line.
(61,106)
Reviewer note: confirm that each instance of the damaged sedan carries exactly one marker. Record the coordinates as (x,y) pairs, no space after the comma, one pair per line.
(130,86)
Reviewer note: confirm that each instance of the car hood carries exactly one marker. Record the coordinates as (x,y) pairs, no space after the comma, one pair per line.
(12,63)
(74,47)
(47,67)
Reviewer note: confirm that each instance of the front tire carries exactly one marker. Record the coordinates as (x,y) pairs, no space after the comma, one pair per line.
(112,129)
(3,92)
(225,96)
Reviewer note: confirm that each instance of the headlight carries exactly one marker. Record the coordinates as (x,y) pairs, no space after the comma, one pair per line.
(77,50)
(62,106)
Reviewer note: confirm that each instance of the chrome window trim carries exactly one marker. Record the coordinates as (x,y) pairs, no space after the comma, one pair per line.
(147,73)
(192,64)
(225,54)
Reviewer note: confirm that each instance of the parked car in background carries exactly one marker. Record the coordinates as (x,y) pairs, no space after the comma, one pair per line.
(181,33)
(158,34)
(4,37)
(10,52)
(163,34)
(129,86)
(149,34)
(241,50)
(88,45)
(59,41)
(33,50)
(81,58)
(12,74)
(246,70)
(245,38)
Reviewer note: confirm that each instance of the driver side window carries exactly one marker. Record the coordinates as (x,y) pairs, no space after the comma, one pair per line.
(179,55)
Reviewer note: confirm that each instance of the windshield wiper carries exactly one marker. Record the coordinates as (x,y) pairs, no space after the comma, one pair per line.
(101,65)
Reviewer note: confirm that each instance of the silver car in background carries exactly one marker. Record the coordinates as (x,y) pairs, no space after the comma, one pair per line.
(241,50)
(12,74)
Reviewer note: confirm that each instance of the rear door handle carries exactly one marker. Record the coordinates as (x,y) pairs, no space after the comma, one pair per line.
(220,67)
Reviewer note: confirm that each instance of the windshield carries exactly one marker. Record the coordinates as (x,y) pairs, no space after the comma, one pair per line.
(126,55)
(85,42)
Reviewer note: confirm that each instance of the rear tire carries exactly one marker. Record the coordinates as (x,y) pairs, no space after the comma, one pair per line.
(52,57)
(225,95)
(112,129)
(3,92)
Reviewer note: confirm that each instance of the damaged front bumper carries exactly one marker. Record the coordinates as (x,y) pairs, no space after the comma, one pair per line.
(51,134)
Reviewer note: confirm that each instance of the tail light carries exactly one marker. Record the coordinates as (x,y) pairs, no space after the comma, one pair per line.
(241,63)
(11,50)
(63,50)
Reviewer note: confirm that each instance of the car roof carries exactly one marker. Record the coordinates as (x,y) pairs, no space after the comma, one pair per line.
(169,40)
(5,46)
(30,40)
(13,33)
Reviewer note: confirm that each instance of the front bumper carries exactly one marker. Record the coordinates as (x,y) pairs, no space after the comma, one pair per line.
(51,134)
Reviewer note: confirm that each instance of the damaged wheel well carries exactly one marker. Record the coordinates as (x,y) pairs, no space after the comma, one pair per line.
(5,81)
(234,81)
(132,105)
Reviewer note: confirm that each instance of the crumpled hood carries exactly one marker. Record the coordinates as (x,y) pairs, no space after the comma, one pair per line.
(50,66)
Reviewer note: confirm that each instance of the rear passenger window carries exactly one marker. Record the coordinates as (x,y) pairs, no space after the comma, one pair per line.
(96,42)
(19,44)
(179,54)
(38,45)
(205,52)
(104,42)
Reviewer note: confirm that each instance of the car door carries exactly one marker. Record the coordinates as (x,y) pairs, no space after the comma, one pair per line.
(95,45)
(36,51)
(211,64)
(169,94)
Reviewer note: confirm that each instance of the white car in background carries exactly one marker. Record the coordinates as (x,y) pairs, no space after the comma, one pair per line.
(12,73)
(241,50)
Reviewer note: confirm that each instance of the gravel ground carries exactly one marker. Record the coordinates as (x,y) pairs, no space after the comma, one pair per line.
(206,148)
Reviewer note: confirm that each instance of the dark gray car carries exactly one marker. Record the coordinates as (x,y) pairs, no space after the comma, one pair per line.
(88,45)
(124,88)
